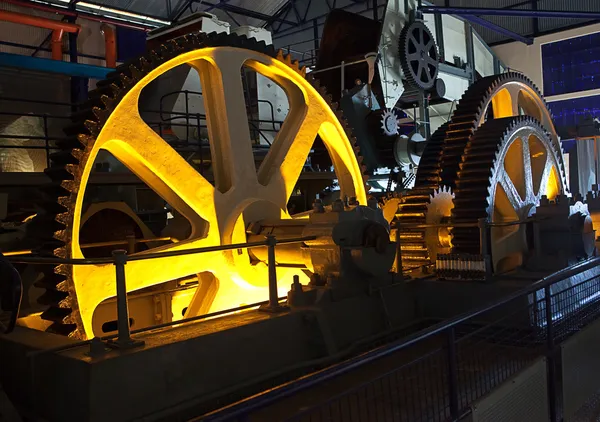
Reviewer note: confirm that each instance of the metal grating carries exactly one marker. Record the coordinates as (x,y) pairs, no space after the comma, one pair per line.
(521,398)
(580,369)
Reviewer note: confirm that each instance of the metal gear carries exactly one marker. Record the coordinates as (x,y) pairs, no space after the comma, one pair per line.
(492,97)
(413,207)
(419,56)
(507,166)
(439,210)
(389,123)
(216,213)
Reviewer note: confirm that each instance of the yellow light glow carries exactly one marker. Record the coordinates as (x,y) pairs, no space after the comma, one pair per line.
(502,104)
(553,185)
(217,213)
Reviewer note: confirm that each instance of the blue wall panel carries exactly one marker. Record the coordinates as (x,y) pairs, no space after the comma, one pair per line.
(571,112)
(131,43)
(571,65)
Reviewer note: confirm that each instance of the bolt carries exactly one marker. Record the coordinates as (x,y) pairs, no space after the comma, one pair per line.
(338,205)
(318,206)
(372,203)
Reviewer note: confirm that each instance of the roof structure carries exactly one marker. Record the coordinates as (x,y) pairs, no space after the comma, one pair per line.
(500,21)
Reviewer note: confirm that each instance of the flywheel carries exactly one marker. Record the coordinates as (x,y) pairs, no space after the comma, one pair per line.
(219,213)
(507,167)
(493,97)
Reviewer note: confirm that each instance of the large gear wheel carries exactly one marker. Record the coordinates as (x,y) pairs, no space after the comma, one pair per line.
(493,97)
(217,214)
(419,56)
(507,167)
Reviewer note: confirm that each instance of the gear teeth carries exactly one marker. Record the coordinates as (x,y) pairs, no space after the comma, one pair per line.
(101,115)
(92,127)
(63,218)
(136,73)
(64,270)
(280,56)
(116,90)
(145,65)
(107,101)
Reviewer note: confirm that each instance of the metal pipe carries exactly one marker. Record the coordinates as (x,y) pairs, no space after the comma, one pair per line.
(527,13)
(56,45)
(273,299)
(58,28)
(110,45)
(139,257)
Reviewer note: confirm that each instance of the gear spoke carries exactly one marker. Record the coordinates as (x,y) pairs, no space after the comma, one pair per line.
(511,191)
(158,165)
(226,117)
(527,172)
(288,154)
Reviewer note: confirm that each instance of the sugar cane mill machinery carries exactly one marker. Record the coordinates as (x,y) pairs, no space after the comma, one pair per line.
(488,198)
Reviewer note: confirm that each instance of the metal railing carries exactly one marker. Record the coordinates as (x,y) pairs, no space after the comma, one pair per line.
(438,373)
(120,258)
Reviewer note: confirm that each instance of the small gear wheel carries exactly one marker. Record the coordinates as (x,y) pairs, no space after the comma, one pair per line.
(389,123)
(419,56)
(439,209)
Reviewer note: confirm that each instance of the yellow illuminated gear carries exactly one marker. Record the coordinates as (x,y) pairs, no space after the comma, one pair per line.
(218,214)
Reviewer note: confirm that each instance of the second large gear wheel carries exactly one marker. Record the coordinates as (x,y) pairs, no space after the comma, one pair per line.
(493,97)
(217,212)
(507,167)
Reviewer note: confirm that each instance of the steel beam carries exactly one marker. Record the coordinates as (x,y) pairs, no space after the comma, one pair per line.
(499,29)
(528,13)
(246,12)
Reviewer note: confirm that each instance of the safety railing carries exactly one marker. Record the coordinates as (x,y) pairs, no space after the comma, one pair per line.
(120,258)
(438,373)
(51,125)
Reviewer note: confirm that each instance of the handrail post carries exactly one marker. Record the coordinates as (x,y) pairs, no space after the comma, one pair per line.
(131,243)
(484,251)
(273,305)
(452,374)
(550,364)
(124,340)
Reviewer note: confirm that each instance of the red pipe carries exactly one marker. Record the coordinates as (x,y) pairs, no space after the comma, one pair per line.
(58,28)
(82,15)
(57,35)
(38,21)
(110,45)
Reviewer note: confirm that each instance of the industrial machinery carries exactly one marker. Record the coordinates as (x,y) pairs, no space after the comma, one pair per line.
(490,199)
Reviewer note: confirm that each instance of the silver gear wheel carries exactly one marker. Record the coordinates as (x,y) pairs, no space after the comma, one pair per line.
(389,123)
